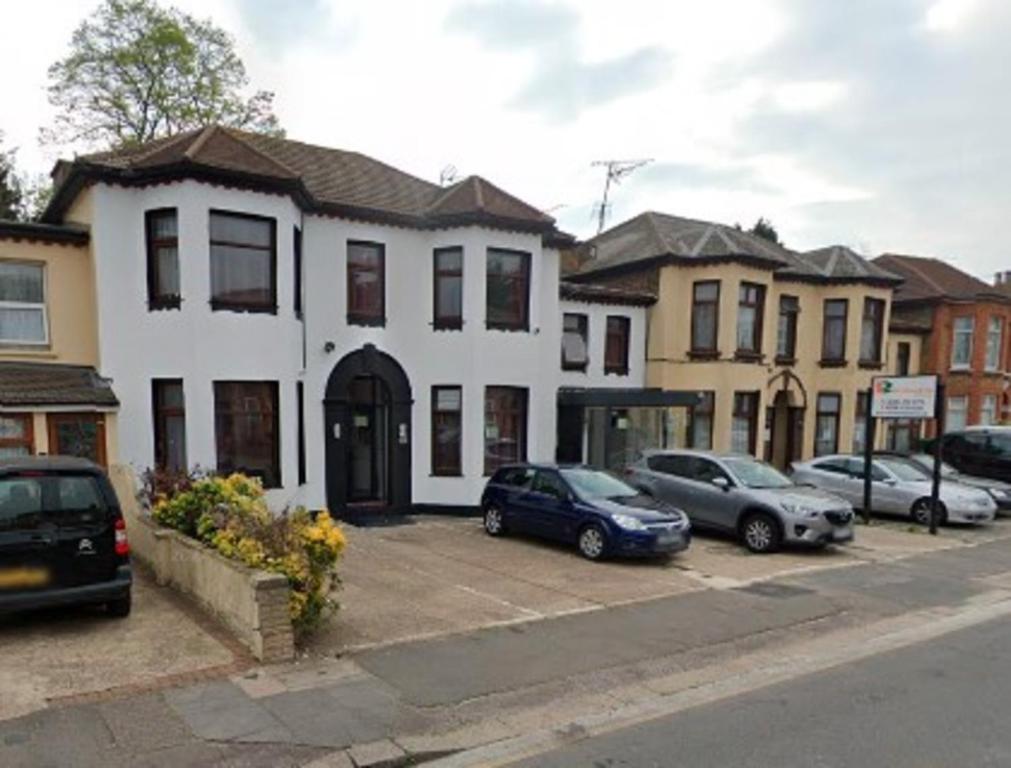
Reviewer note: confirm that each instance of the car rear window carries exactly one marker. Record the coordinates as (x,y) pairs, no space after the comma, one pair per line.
(27,501)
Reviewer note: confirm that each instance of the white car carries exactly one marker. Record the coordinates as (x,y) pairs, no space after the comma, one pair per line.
(898,486)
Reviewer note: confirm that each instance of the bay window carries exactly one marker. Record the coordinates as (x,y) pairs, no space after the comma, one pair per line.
(169,424)
(705,317)
(786,333)
(243,262)
(505,427)
(833,344)
(750,308)
(507,290)
(871,331)
(448,295)
(162,233)
(246,429)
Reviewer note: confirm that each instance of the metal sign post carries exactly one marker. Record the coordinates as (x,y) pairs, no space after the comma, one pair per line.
(906,397)
(868,454)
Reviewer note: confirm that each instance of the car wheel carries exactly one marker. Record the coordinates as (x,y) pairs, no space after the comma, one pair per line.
(593,542)
(921,512)
(120,608)
(761,533)
(494,523)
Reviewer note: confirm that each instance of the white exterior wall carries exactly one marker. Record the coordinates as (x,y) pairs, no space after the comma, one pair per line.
(192,343)
(201,346)
(597,315)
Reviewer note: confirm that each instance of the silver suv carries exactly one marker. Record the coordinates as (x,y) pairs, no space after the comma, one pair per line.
(741,495)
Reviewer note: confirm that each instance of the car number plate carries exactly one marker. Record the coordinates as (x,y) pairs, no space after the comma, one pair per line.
(841,535)
(23,578)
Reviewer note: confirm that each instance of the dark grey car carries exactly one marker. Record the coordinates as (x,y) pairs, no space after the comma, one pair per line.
(741,495)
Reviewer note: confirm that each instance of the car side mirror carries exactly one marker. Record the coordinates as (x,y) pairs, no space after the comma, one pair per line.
(721,482)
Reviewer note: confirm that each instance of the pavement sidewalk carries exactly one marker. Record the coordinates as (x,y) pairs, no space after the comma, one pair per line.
(426,698)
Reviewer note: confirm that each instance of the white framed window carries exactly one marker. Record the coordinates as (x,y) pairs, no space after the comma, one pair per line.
(961,345)
(994,342)
(23,318)
(988,410)
(957,415)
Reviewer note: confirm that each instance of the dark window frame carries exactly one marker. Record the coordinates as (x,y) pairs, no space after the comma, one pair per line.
(223,305)
(789,308)
(758,304)
(705,405)
(297,258)
(300,415)
(836,415)
(522,323)
(27,440)
(523,393)
(274,387)
(161,413)
(874,310)
(745,396)
(448,469)
(368,318)
(155,299)
(440,321)
(622,331)
(714,350)
(827,360)
(903,355)
(584,331)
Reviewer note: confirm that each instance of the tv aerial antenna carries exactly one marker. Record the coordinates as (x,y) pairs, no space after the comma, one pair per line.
(617,170)
(448,175)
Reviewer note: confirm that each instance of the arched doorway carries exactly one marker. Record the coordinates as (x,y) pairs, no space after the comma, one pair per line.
(367,413)
(784,419)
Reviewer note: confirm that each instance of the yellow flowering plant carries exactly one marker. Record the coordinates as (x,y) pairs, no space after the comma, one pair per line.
(230,515)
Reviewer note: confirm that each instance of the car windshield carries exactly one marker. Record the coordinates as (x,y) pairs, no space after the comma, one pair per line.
(926,461)
(593,484)
(757,474)
(905,470)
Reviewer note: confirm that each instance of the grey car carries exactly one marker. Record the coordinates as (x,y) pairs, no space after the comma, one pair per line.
(999,491)
(741,495)
(898,486)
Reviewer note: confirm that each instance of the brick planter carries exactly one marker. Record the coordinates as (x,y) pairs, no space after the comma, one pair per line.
(253,604)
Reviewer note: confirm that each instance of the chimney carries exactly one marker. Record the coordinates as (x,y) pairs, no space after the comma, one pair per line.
(1003,278)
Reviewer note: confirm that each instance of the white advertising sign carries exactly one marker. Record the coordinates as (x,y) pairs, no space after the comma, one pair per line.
(904,397)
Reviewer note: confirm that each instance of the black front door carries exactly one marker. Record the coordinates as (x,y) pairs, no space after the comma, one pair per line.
(368,454)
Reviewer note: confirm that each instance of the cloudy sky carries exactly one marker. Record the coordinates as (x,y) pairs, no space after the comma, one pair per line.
(879,124)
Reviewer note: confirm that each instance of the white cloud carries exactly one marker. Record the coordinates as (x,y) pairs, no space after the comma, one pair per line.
(808,96)
(948,15)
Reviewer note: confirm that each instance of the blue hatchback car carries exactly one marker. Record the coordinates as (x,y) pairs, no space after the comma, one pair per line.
(577,505)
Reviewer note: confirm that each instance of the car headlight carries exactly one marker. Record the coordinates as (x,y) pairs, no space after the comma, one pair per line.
(628,522)
(801,510)
(998,494)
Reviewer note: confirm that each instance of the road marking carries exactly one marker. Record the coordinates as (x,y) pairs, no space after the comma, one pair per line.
(823,653)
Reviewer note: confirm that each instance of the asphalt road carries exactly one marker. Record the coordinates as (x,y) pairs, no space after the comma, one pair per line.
(942,703)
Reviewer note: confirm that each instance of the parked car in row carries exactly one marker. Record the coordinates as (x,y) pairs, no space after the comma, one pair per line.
(999,491)
(743,496)
(977,451)
(594,510)
(898,486)
(62,537)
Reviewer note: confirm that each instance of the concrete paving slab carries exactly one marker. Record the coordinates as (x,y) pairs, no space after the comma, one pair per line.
(377,753)
(131,723)
(220,711)
(72,651)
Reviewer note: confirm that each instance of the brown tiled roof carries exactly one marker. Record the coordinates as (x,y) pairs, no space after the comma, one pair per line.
(321,179)
(658,237)
(70,234)
(602,294)
(928,279)
(44,384)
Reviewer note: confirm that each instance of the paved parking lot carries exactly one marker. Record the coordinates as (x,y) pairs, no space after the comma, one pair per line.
(444,575)
(58,655)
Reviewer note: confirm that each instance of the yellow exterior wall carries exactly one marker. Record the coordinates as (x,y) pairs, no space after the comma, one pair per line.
(71,307)
(669,366)
(71,314)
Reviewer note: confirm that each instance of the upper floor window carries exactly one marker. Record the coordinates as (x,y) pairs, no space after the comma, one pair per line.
(243,262)
(750,308)
(705,316)
(616,345)
(162,232)
(448,288)
(833,344)
(786,332)
(872,330)
(296,245)
(575,342)
(961,345)
(994,343)
(902,354)
(508,290)
(23,303)
(366,283)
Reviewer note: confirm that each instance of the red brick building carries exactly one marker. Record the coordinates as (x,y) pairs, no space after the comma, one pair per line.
(966,325)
